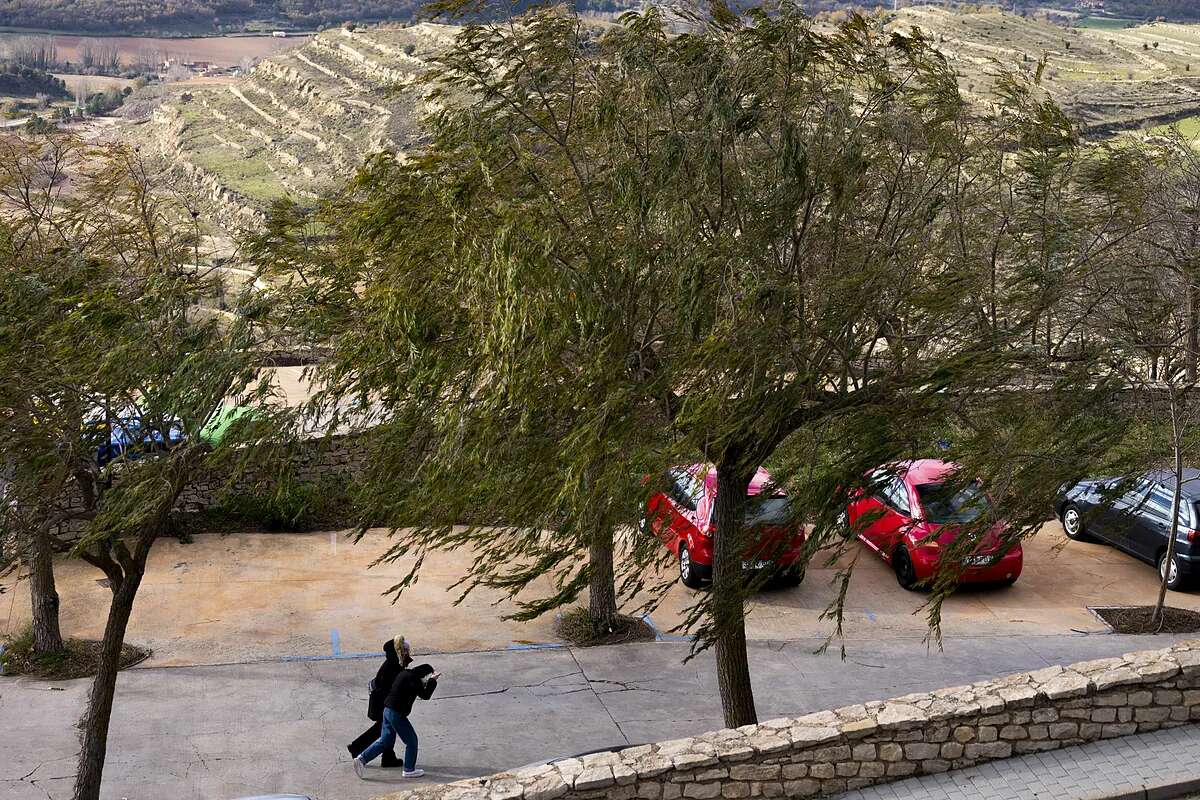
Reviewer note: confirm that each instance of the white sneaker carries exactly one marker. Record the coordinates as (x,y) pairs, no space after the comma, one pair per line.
(359,766)
(416,773)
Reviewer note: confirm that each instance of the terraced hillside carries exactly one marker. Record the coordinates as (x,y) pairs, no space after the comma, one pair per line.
(1105,79)
(300,122)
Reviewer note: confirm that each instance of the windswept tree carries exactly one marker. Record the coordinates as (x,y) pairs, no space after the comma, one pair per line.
(1146,309)
(627,248)
(113,364)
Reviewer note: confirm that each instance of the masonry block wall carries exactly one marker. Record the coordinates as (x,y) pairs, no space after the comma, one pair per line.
(853,747)
(311,461)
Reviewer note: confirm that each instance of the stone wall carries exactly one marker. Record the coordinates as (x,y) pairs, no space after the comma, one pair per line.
(316,461)
(849,748)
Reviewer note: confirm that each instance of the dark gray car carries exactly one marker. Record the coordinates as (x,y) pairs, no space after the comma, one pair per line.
(1134,514)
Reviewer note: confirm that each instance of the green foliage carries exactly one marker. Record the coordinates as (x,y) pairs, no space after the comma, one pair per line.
(755,241)
(40,126)
(22,81)
(104,102)
(287,506)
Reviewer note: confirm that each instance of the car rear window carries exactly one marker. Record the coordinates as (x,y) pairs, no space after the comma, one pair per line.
(944,504)
(768,510)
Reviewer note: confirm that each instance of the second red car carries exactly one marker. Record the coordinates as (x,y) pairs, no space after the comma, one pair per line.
(682,517)
(914,512)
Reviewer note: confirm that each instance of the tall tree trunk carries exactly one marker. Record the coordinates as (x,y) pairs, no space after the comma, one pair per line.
(728,602)
(1177,443)
(1193,321)
(99,710)
(602,590)
(47,637)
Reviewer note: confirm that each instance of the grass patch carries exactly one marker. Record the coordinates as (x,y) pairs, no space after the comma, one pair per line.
(78,658)
(1189,128)
(579,629)
(1106,23)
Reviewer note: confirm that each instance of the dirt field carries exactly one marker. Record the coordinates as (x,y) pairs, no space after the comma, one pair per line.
(92,83)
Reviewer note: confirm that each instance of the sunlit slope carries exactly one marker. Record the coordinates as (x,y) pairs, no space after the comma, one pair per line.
(302,121)
(1105,79)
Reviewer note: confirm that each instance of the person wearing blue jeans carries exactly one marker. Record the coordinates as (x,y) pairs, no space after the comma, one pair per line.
(420,681)
(394,725)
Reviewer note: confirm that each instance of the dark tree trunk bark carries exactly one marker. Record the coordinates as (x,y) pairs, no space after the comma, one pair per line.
(728,598)
(1176,436)
(602,591)
(47,636)
(1193,323)
(99,710)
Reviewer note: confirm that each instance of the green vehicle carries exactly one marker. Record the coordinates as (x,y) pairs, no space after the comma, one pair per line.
(219,425)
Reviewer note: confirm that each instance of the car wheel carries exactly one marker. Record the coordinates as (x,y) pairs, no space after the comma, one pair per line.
(1175,580)
(792,576)
(1072,522)
(687,574)
(906,573)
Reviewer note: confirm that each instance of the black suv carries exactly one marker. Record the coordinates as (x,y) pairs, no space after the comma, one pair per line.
(1134,514)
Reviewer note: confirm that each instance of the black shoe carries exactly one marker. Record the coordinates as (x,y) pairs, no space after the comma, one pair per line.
(391,763)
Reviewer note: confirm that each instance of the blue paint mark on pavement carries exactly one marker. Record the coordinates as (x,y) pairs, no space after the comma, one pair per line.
(870,614)
(659,636)
(335,640)
(536,646)
(338,657)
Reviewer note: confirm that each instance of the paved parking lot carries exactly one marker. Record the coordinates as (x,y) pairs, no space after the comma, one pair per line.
(237,598)
(257,678)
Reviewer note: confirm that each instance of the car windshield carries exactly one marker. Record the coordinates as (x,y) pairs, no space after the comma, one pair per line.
(763,510)
(943,504)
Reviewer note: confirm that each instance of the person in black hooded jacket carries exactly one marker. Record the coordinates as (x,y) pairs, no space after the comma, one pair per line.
(384,679)
(420,681)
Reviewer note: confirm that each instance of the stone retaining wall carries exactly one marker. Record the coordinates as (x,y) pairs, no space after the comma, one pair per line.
(317,461)
(853,747)
(311,461)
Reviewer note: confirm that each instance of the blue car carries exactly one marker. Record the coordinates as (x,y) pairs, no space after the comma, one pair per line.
(127,439)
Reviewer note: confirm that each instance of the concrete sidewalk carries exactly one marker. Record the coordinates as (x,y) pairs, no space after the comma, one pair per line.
(226,731)
(1150,766)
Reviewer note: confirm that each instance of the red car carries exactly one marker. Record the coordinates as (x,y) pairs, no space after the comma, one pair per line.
(682,517)
(911,516)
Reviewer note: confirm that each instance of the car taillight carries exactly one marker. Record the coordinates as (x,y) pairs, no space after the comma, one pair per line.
(1189,535)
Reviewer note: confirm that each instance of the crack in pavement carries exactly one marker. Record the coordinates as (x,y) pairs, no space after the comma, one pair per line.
(505,689)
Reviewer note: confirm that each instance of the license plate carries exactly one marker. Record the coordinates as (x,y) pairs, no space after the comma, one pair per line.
(756,564)
(979,561)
